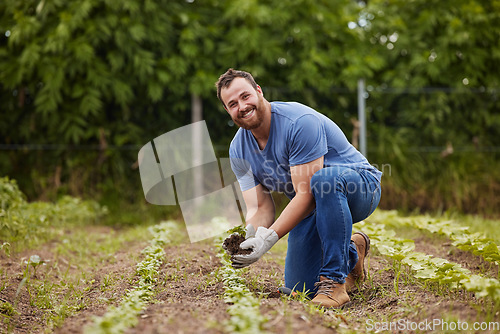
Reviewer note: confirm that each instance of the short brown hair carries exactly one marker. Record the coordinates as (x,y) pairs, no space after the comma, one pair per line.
(228,77)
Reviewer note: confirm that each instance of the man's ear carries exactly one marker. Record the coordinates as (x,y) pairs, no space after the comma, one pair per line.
(259,90)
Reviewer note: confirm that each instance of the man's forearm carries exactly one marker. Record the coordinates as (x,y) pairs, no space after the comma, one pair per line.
(264,216)
(260,207)
(296,210)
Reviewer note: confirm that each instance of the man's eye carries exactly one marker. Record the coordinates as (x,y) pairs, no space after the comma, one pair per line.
(245,97)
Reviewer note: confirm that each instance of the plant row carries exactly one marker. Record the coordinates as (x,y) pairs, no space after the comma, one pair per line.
(244,307)
(476,243)
(124,316)
(427,267)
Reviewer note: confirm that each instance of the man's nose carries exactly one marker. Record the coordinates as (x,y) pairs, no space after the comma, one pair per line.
(241,106)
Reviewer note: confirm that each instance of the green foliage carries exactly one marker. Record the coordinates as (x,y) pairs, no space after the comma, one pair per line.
(105,77)
(435,91)
(29,224)
(7,309)
(429,268)
(240,229)
(6,248)
(10,195)
(476,243)
(434,44)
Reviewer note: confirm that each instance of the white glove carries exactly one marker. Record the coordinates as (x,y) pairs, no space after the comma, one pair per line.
(263,240)
(250,232)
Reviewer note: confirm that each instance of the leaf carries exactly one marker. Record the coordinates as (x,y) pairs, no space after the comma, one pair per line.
(35,259)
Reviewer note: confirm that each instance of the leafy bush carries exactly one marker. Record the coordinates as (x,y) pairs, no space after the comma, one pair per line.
(10,195)
(35,223)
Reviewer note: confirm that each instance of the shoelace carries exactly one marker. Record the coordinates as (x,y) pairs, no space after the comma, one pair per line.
(324,287)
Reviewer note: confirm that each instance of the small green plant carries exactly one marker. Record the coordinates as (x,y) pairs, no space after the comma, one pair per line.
(5,247)
(7,309)
(106,283)
(303,296)
(35,261)
(240,229)
(243,307)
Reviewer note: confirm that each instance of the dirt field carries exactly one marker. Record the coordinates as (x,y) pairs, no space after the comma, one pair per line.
(66,293)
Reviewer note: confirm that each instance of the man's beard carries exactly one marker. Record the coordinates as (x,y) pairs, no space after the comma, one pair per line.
(255,120)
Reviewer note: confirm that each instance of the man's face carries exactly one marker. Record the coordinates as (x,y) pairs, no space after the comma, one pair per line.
(244,104)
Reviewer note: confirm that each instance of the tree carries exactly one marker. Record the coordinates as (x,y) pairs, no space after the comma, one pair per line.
(109,76)
(76,73)
(448,52)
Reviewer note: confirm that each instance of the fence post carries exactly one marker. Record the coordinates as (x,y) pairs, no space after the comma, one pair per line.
(361,116)
(197,158)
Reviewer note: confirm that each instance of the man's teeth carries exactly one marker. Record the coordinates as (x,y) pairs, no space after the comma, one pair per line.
(248,114)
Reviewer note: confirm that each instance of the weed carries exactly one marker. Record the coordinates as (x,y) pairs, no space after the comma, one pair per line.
(5,247)
(106,283)
(7,309)
(35,261)
(44,296)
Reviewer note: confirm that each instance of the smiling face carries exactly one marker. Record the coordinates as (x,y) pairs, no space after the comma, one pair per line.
(244,103)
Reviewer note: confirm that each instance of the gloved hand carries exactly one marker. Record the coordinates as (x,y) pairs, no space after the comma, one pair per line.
(263,240)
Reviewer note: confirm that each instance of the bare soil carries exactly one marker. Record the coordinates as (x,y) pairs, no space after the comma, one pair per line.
(232,244)
(64,279)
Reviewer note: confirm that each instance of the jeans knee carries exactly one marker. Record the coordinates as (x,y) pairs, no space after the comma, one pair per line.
(316,178)
(326,181)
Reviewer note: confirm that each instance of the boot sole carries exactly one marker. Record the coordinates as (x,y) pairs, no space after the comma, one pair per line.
(341,307)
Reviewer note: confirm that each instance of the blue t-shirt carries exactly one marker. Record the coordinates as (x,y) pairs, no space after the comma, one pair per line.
(298,135)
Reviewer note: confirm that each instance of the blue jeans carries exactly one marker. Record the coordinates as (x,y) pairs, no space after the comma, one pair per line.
(320,245)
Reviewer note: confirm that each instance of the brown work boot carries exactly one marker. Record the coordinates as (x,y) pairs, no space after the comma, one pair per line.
(357,275)
(330,293)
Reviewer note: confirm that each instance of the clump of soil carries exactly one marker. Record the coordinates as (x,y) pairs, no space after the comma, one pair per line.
(232,245)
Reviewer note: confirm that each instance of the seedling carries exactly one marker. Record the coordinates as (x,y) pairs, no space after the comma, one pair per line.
(35,261)
(7,309)
(6,248)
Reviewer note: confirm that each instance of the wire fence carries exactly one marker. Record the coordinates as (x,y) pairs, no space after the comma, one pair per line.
(219,148)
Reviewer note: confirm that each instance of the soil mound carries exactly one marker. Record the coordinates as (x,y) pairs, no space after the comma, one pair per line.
(232,245)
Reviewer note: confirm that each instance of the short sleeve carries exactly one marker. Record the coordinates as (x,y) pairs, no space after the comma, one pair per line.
(243,171)
(307,140)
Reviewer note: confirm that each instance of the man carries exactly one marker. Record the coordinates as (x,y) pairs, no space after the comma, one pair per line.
(291,148)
